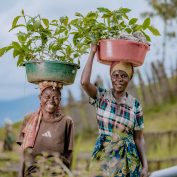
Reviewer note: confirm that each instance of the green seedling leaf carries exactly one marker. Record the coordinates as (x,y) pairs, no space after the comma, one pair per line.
(2,51)
(147,36)
(128,30)
(46,22)
(103,10)
(14,23)
(23,12)
(78,14)
(124,10)
(64,20)
(133,21)
(20,61)
(91,15)
(21,25)
(146,23)
(154,31)
(16,45)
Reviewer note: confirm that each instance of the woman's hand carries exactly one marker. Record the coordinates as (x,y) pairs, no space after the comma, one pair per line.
(144,172)
(93,48)
(139,141)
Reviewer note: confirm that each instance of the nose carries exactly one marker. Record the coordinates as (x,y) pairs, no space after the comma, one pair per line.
(119,78)
(51,99)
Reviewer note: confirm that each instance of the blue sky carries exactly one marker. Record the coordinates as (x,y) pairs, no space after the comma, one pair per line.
(13,79)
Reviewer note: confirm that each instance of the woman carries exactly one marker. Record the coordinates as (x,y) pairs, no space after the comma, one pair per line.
(9,137)
(47,130)
(117,111)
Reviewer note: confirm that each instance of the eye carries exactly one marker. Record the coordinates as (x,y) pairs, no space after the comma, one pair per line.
(115,75)
(56,98)
(46,97)
(124,76)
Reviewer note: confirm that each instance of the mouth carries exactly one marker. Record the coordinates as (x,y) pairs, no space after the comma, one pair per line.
(50,106)
(119,85)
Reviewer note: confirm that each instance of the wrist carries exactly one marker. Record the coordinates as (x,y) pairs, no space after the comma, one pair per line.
(145,167)
(92,52)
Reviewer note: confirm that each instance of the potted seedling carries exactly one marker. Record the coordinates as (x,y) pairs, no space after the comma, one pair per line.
(118,37)
(43,47)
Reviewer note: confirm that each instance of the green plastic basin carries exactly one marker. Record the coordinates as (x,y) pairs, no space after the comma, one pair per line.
(43,70)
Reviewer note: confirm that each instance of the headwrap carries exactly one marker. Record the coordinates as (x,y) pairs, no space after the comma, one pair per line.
(31,129)
(123,66)
(45,84)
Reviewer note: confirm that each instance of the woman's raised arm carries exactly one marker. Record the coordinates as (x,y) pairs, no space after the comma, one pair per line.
(86,74)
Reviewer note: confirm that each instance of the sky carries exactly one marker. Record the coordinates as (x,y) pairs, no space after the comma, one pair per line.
(14,84)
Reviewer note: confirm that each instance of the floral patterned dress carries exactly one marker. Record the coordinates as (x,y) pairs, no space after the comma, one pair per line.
(117,121)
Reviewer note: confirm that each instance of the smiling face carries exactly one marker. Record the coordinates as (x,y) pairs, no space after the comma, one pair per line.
(50,100)
(119,80)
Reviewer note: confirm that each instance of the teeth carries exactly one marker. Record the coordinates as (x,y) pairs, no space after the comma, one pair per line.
(50,106)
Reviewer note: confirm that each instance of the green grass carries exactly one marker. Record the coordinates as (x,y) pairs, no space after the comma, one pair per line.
(14,159)
(161,118)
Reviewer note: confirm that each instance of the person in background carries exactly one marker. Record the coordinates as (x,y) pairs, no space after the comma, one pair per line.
(9,139)
(120,121)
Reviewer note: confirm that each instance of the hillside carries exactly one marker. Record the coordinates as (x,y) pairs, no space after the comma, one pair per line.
(16,109)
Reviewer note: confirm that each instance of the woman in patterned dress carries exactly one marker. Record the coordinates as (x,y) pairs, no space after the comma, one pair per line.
(120,121)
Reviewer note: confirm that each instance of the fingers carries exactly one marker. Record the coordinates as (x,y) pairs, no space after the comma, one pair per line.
(93,48)
(144,175)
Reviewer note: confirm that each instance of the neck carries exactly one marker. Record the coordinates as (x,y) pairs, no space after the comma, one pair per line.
(117,94)
(49,116)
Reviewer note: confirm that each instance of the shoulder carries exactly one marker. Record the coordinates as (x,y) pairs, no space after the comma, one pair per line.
(134,102)
(28,116)
(101,91)
(68,119)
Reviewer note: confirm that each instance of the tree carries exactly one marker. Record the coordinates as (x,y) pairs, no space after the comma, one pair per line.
(167,11)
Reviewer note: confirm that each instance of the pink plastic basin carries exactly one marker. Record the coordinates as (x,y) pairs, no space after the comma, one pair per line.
(110,50)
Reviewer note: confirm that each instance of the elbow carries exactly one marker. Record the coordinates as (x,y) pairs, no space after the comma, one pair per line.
(84,84)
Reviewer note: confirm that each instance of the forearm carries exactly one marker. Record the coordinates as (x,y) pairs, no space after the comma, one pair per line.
(86,74)
(22,166)
(68,158)
(141,150)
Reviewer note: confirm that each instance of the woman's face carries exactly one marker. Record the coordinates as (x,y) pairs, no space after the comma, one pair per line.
(119,80)
(50,100)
